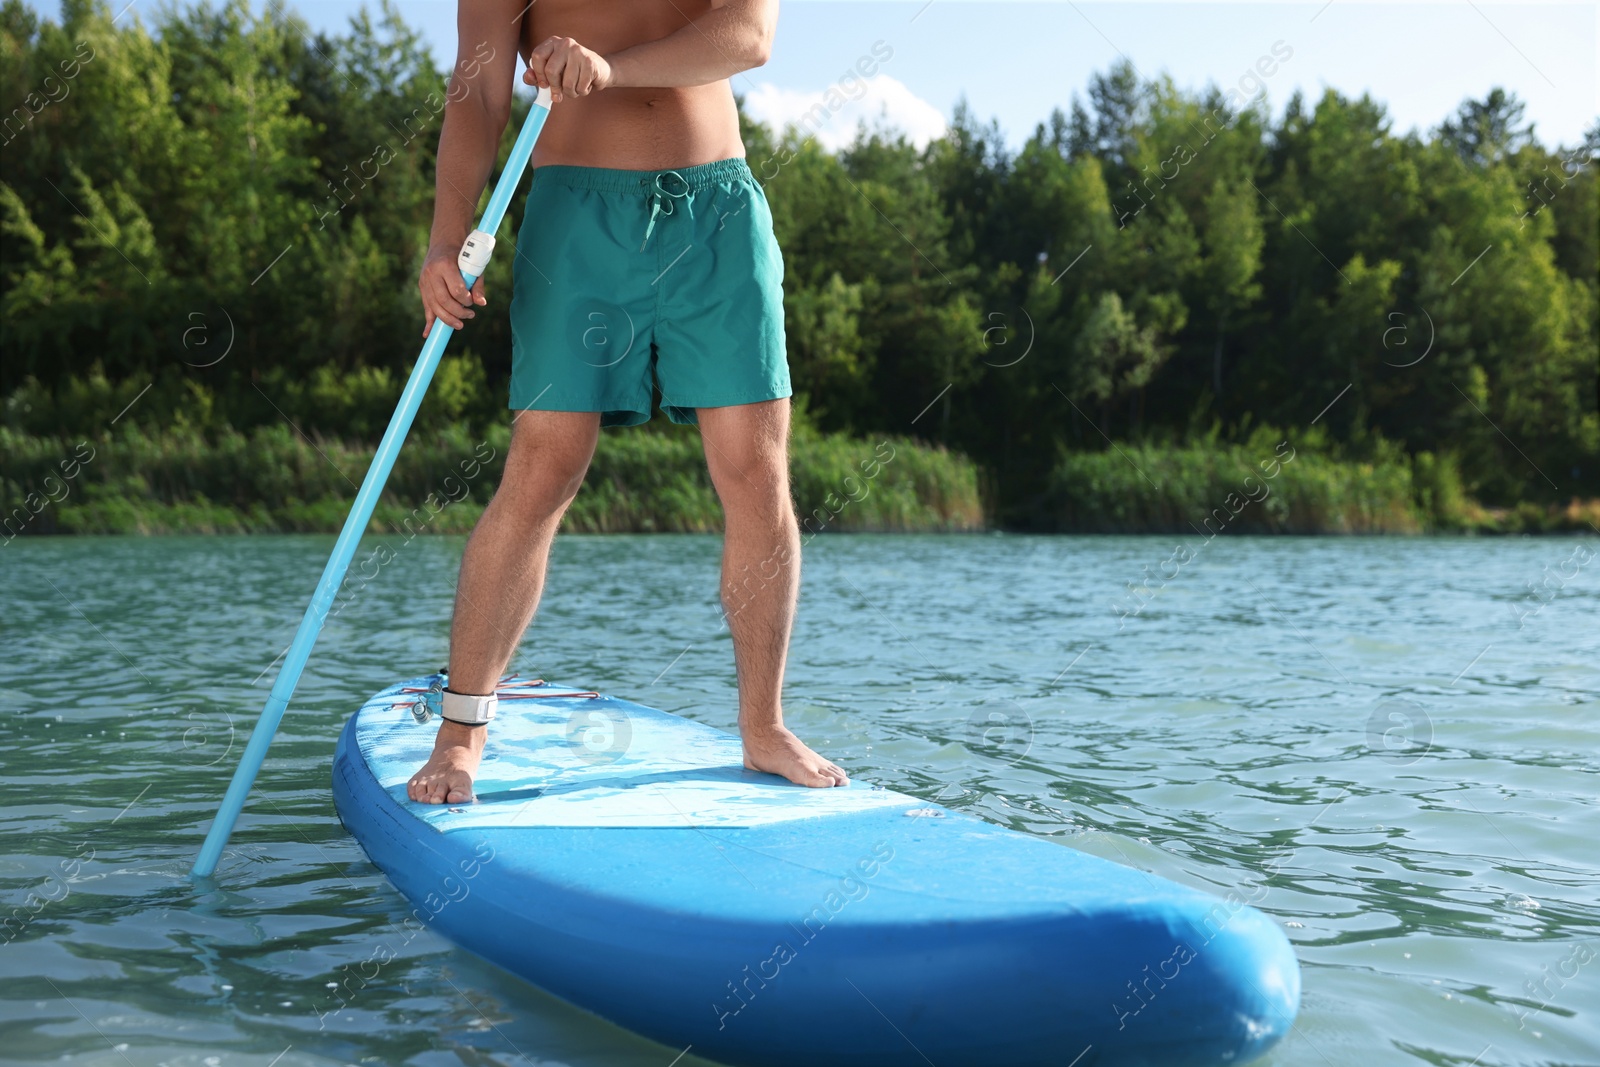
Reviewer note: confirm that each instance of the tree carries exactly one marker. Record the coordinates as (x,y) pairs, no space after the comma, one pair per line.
(1113,355)
(1486,132)
(1233,239)
(1118,102)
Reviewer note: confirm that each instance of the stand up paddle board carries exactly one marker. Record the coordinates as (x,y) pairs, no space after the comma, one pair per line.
(623,859)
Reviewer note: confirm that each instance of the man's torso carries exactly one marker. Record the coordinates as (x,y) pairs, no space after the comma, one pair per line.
(631,129)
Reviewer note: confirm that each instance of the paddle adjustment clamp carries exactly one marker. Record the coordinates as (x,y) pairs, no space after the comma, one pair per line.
(474,257)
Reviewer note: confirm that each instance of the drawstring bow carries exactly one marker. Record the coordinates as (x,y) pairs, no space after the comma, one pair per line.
(658,206)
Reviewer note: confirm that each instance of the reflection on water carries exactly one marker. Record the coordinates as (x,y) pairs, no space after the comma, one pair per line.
(1375,739)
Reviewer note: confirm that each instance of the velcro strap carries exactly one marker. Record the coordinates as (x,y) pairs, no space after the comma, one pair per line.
(468,710)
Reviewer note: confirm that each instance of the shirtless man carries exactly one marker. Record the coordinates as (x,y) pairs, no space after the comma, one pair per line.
(646,257)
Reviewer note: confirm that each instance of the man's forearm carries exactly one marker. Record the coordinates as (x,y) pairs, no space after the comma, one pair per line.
(467,145)
(717,45)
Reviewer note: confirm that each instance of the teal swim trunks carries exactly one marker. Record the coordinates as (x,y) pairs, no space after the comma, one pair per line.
(630,281)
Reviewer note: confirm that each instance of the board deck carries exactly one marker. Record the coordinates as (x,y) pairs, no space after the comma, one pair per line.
(625,860)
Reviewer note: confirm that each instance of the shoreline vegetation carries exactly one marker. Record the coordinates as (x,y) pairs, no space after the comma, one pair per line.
(1269,486)
(273,480)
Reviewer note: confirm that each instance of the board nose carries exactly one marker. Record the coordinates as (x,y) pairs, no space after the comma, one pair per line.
(1260,968)
(1216,982)
(1245,992)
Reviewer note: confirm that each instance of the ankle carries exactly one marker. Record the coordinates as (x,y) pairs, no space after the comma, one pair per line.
(458,683)
(768,723)
(455,733)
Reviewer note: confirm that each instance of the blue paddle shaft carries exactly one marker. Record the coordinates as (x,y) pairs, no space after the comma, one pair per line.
(255,752)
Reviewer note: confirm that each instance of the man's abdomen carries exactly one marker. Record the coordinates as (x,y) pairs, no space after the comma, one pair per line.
(642,129)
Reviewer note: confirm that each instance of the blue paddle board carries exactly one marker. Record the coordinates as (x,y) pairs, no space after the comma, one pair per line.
(623,859)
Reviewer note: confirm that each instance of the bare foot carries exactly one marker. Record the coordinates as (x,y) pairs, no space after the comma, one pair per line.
(447,776)
(777,751)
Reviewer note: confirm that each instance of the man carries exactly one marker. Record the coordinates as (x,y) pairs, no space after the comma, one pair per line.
(646,257)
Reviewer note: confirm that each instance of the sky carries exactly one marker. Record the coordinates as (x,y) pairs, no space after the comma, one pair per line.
(1014,61)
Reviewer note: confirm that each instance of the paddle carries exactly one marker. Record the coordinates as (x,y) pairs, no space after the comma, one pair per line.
(474,258)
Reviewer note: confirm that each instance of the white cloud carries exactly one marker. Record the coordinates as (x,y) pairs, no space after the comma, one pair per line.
(886,102)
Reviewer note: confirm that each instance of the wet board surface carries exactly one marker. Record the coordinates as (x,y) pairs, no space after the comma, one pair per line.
(624,859)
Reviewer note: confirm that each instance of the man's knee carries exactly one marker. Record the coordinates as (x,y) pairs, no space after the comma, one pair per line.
(542,490)
(747,452)
(760,484)
(547,464)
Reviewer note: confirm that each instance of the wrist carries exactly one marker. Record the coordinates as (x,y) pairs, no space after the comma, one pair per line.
(445,247)
(620,66)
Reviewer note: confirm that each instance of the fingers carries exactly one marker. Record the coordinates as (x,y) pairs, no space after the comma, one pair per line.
(554,69)
(574,72)
(445,305)
(445,296)
(457,288)
(540,62)
(452,311)
(536,63)
(454,321)
(586,77)
(563,66)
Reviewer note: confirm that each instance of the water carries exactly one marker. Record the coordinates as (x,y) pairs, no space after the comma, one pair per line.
(1363,735)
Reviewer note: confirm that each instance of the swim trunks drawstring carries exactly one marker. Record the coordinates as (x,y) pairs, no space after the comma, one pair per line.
(659,206)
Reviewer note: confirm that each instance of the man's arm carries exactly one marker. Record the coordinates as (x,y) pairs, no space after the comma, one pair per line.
(734,36)
(477,108)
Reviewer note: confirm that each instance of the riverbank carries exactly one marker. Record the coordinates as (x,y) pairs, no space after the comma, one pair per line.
(275,480)
(1270,484)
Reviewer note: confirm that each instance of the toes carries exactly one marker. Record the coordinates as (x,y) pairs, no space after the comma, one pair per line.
(440,788)
(822,775)
(829,773)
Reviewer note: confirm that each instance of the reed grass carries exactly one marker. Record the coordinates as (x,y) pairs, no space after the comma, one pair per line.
(275,480)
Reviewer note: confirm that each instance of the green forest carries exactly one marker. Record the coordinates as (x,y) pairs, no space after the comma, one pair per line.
(213,221)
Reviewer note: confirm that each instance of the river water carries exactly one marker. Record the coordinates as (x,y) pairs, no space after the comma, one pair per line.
(1390,743)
